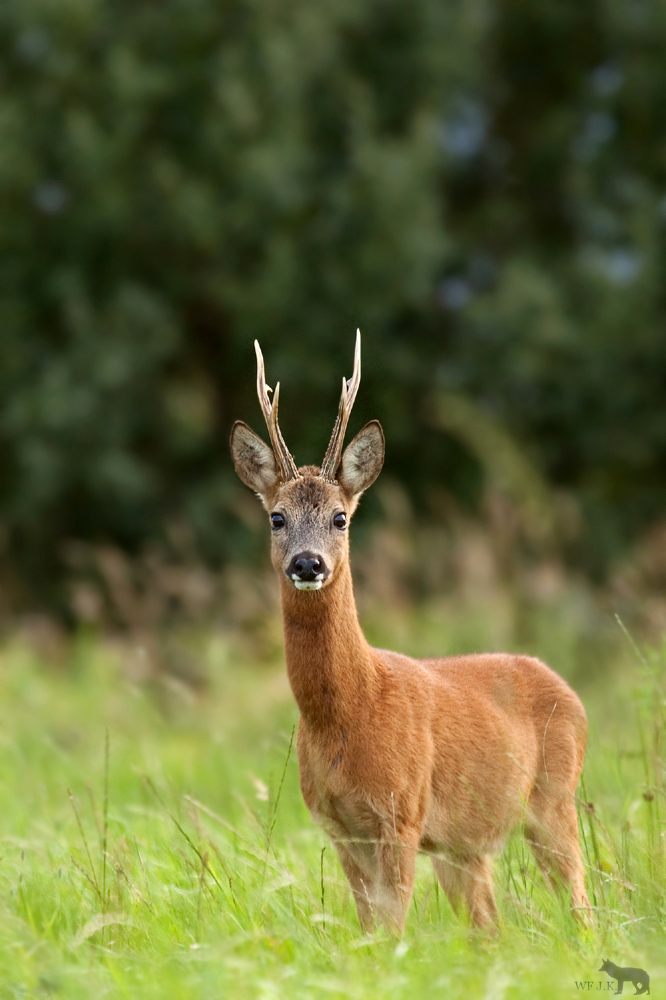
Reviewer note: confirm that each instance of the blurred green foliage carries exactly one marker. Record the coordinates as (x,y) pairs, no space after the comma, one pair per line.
(479,186)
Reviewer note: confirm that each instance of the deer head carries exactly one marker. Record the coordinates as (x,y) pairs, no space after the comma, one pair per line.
(309,508)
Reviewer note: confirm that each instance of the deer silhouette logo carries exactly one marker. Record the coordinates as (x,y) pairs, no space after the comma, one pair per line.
(638,977)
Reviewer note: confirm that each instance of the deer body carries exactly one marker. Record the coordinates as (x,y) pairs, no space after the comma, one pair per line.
(397,755)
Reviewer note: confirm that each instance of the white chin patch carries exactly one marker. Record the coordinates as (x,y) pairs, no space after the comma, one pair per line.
(307,584)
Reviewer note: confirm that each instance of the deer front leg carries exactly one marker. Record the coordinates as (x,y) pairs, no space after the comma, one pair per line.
(360,886)
(394,885)
(469,881)
(383,887)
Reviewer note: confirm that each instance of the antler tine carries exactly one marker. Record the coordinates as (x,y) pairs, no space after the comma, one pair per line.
(349,389)
(262,388)
(283,457)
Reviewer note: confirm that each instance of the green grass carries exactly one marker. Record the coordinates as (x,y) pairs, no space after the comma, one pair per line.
(154,844)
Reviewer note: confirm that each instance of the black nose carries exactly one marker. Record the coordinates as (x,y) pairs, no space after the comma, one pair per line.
(305,566)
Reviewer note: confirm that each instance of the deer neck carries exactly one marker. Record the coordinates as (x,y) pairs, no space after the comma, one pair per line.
(329,663)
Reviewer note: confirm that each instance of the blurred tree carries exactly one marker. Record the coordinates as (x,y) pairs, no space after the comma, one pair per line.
(479,187)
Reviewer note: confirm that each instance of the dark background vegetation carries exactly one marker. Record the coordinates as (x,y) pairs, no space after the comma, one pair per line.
(480,186)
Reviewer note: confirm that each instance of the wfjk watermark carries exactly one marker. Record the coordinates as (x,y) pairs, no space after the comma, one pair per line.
(637,977)
(595,986)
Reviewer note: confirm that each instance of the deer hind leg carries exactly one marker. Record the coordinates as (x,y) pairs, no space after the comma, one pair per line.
(469,881)
(551,829)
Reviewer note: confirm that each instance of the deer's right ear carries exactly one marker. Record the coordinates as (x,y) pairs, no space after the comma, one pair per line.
(254,461)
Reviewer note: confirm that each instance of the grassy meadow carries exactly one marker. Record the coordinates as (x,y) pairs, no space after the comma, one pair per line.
(153,841)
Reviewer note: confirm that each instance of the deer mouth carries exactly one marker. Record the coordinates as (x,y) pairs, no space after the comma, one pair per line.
(308,584)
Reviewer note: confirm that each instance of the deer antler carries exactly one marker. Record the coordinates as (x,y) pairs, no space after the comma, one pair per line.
(349,389)
(285,462)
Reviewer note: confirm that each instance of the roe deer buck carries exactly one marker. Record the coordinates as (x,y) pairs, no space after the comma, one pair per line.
(399,755)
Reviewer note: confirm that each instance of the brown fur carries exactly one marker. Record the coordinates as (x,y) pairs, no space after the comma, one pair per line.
(397,755)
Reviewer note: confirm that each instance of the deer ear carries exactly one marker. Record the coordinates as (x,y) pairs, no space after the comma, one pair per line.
(362,459)
(254,461)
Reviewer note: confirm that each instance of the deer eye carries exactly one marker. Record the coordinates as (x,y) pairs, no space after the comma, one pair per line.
(277,521)
(340,520)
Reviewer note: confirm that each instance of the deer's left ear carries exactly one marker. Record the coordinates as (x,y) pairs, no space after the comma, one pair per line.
(362,459)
